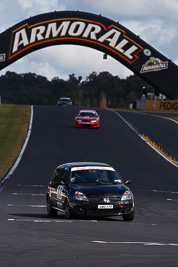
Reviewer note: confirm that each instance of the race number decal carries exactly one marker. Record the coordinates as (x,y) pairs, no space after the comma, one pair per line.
(59,192)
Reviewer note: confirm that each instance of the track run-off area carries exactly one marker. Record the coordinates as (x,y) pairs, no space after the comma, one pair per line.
(30,238)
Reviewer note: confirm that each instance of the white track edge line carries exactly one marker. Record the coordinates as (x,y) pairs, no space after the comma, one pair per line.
(139,135)
(21,152)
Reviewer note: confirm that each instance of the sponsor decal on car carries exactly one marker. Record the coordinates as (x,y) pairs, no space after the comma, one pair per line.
(92,168)
(154,64)
(2,57)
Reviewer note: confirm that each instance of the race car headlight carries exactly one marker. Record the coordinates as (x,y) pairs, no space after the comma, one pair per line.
(94,121)
(80,196)
(127,196)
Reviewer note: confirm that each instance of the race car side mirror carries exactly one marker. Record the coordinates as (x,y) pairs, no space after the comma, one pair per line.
(127,182)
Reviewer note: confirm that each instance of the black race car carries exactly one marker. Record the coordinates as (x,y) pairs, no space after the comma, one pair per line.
(89,189)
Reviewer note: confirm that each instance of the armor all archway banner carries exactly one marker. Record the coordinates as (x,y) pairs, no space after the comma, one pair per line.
(94,31)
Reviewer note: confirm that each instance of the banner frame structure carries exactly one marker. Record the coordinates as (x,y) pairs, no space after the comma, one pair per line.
(94,31)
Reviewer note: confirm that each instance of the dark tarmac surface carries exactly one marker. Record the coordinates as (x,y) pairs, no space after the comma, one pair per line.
(30,238)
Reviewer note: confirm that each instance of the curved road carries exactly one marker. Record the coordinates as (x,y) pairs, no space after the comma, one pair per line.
(30,238)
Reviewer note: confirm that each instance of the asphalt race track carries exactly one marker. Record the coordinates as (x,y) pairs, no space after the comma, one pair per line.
(30,238)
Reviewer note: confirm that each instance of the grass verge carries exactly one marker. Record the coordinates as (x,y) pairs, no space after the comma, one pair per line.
(174,118)
(14,121)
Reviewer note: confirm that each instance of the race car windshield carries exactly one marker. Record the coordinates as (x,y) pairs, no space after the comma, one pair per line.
(87,114)
(65,99)
(94,176)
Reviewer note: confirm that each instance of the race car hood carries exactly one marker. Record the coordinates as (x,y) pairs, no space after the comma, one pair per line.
(100,189)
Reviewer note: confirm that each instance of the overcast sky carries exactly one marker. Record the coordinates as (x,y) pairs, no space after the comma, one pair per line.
(155,21)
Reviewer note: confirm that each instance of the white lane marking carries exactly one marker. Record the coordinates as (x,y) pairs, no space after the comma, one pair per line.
(147,114)
(137,243)
(27,220)
(31,185)
(139,135)
(21,152)
(28,194)
(168,192)
(39,221)
(143,224)
(68,221)
(31,206)
(159,191)
(170,199)
(128,124)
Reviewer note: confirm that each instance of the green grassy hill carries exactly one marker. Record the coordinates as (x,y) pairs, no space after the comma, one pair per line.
(14,121)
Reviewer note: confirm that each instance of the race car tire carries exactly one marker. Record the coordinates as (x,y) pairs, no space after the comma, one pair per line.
(129,217)
(50,210)
(68,211)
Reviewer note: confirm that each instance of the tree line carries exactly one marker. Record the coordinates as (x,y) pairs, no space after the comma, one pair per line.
(97,90)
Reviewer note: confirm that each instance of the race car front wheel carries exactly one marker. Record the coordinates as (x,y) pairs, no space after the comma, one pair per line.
(50,210)
(129,217)
(68,211)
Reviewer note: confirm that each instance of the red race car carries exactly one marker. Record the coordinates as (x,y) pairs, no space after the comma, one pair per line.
(87,118)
